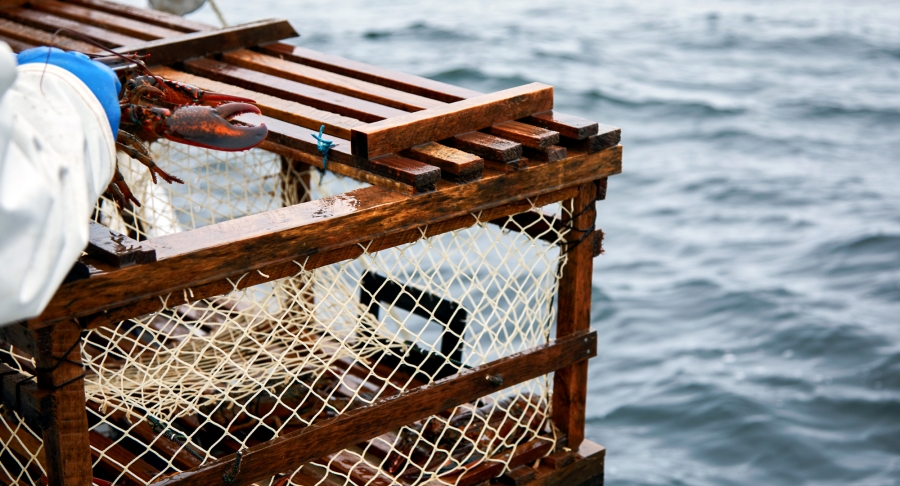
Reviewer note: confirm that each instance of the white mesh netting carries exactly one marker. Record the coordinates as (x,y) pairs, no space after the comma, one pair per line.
(171,390)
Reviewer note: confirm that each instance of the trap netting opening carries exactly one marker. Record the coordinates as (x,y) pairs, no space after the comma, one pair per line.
(178,388)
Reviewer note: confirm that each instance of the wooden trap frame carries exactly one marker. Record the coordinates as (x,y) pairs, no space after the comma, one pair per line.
(434,160)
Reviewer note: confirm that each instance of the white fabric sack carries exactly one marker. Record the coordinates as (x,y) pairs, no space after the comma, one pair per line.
(57,155)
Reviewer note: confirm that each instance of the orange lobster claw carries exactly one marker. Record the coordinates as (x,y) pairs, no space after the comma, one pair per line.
(208,127)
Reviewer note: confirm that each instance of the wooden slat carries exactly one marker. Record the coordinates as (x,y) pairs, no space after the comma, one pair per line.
(51,23)
(461,166)
(117,249)
(291,90)
(545,227)
(65,433)
(553,153)
(567,125)
(373,74)
(523,454)
(229,249)
(147,15)
(527,135)
(16,45)
(330,81)
(20,392)
(129,27)
(271,106)
(574,313)
(176,49)
(607,136)
(114,457)
(417,176)
(36,37)
(405,131)
(486,146)
(585,470)
(357,425)
(112,317)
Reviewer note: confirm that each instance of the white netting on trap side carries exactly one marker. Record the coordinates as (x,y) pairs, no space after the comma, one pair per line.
(181,387)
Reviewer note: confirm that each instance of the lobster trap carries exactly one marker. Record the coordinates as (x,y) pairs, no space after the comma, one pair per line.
(414,309)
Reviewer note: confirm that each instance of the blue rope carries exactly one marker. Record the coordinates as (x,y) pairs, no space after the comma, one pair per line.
(323,145)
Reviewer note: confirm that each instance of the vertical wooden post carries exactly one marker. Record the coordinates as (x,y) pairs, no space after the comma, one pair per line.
(60,373)
(574,313)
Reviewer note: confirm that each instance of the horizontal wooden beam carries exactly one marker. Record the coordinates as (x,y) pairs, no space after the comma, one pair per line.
(20,392)
(50,23)
(286,453)
(405,131)
(229,249)
(129,27)
(147,15)
(459,165)
(176,49)
(567,125)
(115,248)
(37,37)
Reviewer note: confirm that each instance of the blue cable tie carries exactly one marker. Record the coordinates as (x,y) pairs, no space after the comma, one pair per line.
(323,145)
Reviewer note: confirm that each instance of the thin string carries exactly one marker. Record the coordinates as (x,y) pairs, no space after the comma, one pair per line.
(323,145)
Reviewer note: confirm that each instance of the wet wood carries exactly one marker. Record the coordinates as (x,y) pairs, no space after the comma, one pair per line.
(486,146)
(117,249)
(260,462)
(65,433)
(417,176)
(511,166)
(523,454)
(545,227)
(51,23)
(147,15)
(455,165)
(15,45)
(176,49)
(271,106)
(24,445)
(111,317)
(527,135)
(384,77)
(585,470)
(574,313)
(567,125)
(115,23)
(18,335)
(518,476)
(118,460)
(608,136)
(36,37)
(20,392)
(274,239)
(411,129)
(559,459)
(553,153)
(292,90)
(329,81)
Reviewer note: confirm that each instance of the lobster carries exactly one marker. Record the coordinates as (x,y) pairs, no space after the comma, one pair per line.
(154,107)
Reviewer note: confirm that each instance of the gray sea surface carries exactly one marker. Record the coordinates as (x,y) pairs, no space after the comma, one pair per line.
(747,304)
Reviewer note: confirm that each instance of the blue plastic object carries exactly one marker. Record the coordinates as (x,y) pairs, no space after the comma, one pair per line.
(101,80)
(323,146)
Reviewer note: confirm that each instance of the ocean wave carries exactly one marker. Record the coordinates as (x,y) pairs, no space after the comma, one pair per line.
(421,31)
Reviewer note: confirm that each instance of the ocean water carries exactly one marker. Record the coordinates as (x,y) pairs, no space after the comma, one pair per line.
(748,304)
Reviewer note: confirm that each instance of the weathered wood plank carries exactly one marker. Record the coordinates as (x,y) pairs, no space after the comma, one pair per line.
(574,313)
(539,226)
(65,433)
(330,81)
(607,136)
(176,49)
(486,146)
(114,457)
(528,135)
(271,106)
(117,249)
(411,129)
(567,125)
(35,37)
(373,74)
(460,166)
(585,470)
(292,90)
(18,335)
(147,15)
(16,45)
(51,23)
(553,153)
(418,176)
(280,270)
(364,423)
(229,249)
(129,27)
(20,392)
